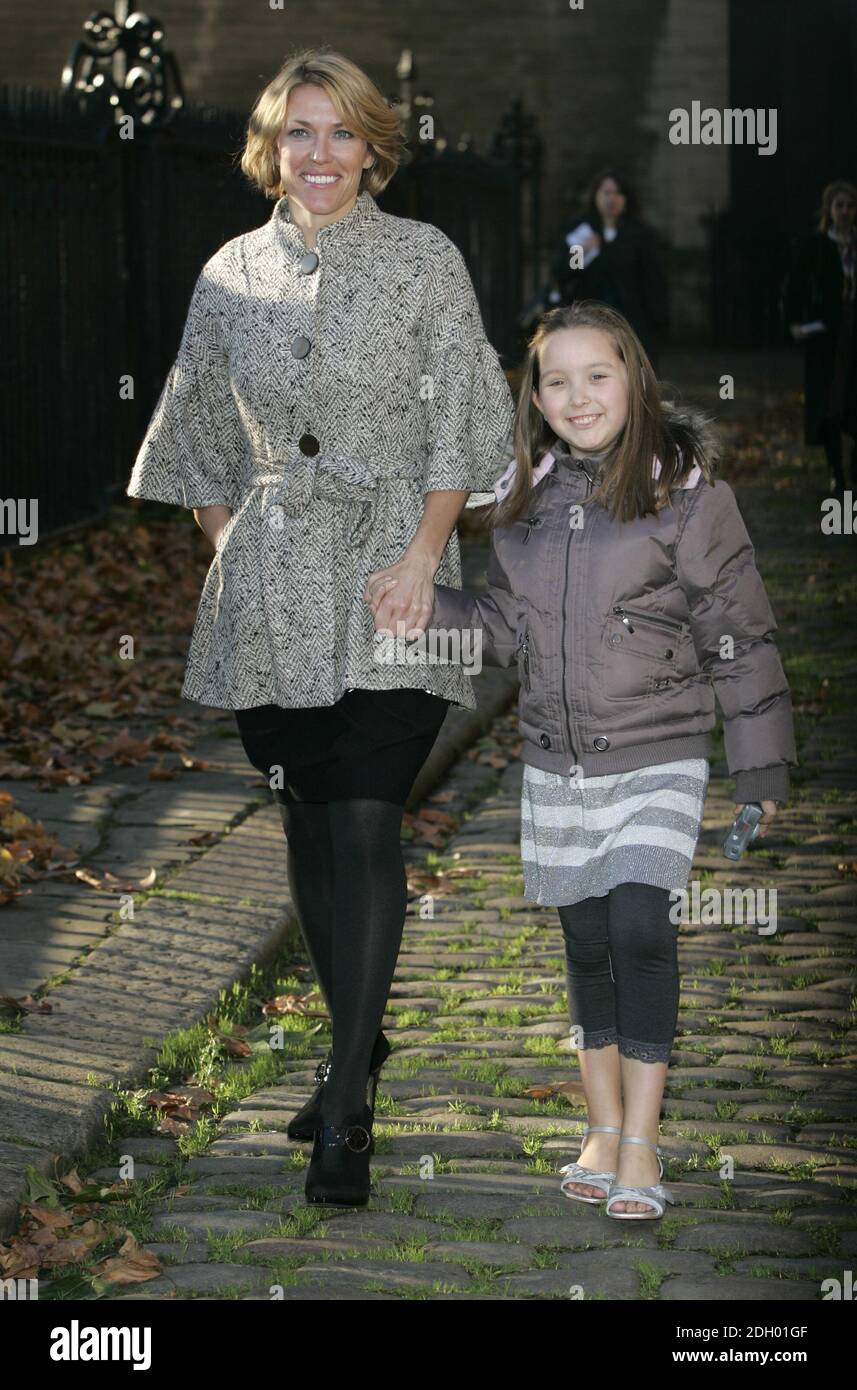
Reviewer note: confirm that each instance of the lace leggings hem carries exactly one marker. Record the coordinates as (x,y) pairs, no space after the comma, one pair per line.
(628,1047)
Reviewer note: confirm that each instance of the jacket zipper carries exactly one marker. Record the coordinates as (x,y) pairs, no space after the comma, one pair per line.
(627,613)
(564,611)
(525,648)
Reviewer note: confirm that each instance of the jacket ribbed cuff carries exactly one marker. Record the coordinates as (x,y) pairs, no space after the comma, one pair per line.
(762,783)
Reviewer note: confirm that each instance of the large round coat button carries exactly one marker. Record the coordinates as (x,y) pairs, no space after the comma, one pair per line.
(601,743)
(309,445)
(308,263)
(300,346)
(544,741)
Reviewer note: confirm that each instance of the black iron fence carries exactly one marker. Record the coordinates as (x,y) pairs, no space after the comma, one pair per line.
(101,240)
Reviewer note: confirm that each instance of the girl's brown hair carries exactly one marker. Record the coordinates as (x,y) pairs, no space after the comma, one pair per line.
(652,430)
(357,101)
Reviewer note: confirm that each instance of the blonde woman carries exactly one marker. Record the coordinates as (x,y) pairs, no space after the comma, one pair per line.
(333,402)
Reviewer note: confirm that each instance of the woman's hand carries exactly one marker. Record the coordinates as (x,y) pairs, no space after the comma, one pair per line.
(769,810)
(402,593)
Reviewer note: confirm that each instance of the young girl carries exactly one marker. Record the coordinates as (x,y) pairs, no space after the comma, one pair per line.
(622,580)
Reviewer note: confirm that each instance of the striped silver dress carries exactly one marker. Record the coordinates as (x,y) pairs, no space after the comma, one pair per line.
(580,839)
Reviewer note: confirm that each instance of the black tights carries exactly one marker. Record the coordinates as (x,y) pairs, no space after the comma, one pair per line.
(622,970)
(349,888)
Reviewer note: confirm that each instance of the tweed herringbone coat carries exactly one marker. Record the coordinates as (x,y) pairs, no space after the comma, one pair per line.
(319,395)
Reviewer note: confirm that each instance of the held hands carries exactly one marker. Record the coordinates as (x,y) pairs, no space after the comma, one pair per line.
(402,593)
(769,810)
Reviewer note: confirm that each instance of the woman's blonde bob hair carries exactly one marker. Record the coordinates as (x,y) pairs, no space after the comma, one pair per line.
(358,103)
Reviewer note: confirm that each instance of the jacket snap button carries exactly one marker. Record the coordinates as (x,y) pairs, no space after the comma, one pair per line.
(308,263)
(300,346)
(669,654)
(309,445)
(544,741)
(601,743)
(616,638)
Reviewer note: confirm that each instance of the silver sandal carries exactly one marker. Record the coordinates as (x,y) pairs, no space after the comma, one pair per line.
(576,1173)
(657,1195)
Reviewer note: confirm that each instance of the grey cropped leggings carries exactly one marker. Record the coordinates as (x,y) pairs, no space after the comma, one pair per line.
(621,955)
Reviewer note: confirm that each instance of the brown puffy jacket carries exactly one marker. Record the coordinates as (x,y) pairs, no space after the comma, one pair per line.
(619,631)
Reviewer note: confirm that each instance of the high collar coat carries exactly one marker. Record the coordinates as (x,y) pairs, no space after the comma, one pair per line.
(319,396)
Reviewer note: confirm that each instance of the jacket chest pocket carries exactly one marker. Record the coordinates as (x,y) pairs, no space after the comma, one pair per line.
(643,653)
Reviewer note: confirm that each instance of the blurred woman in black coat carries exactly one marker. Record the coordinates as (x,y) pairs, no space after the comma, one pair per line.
(819,304)
(622,266)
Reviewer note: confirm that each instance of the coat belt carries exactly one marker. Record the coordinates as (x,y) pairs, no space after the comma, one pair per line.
(349,482)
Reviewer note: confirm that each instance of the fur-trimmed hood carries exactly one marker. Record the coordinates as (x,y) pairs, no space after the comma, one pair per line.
(691,422)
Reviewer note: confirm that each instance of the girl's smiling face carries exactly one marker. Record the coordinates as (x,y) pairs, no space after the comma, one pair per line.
(583,389)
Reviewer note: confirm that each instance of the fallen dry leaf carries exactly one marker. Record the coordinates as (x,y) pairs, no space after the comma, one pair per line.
(208,837)
(572,1090)
(76,1246)
(295,1004)
(48,1216)
(108,882)
(27,1005)
(101,709)
(72,1181)
(172,743)
(193,764)
(161,773)
(130,1265)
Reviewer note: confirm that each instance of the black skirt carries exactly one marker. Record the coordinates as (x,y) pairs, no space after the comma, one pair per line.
(371,743)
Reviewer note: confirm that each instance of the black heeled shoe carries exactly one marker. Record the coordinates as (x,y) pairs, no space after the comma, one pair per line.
(304,1124)
(338,1173)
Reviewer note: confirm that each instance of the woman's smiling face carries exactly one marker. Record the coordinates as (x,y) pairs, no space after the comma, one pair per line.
(321,158)
(583,390)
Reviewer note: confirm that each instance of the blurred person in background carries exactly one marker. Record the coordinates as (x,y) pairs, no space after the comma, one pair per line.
(818,302)
(621,262)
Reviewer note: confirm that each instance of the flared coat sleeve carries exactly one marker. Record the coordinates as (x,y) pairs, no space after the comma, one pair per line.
(192,450)
(467,397)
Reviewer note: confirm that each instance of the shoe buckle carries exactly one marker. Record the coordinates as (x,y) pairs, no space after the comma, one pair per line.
(357,1130)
